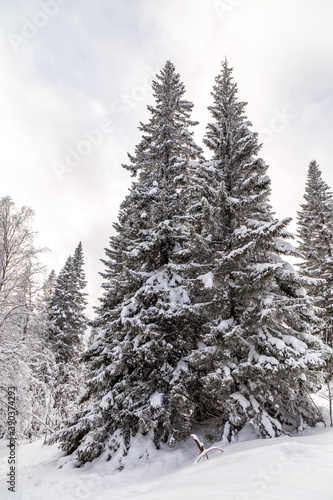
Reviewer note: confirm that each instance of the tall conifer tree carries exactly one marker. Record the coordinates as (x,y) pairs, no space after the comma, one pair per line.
(138,378)
(258,354)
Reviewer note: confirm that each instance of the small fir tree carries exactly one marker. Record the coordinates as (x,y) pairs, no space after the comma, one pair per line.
(67,324)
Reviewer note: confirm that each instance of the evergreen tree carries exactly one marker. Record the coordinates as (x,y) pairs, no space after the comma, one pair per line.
(67,324)
(258,355)
(315,232)
(63,335)
(66,309)
(80,278)
(138,378)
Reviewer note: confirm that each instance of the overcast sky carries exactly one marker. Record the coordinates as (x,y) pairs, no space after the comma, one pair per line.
(75,82)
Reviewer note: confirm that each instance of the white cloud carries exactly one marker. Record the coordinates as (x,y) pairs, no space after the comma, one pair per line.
(95,60)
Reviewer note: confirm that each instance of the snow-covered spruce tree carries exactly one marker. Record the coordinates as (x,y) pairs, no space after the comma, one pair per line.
(138,378)
(80,278)
(67,324)
(258,357)
(315,233)
(66,309)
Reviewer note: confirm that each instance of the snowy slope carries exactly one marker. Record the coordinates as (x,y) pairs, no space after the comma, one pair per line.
(290,468)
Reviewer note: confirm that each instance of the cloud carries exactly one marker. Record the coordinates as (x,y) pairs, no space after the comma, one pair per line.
(94,61)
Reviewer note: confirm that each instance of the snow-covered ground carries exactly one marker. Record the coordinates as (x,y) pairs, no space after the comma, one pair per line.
(284,468)
(294,468)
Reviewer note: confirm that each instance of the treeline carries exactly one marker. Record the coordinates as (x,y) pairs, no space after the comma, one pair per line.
(42,324)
